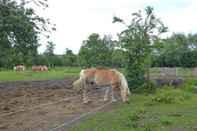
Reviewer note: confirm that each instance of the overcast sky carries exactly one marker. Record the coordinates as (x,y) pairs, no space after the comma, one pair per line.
(76,19)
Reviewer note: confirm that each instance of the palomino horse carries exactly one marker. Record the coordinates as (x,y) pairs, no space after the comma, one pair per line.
(102,77)
(19,68)
(40,68)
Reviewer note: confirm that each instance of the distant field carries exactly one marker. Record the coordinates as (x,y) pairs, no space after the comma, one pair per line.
(56,73)
(166,110)
(62,72)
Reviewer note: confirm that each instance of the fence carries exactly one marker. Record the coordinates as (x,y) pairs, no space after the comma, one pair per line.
(166,72)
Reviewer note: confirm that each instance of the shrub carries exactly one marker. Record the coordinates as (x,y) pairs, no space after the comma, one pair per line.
(166,121)
(135,117)
(190,86)
(148,87)
(169,96)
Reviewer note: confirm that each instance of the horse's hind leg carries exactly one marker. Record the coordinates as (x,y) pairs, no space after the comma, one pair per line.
(112,95)
(106,93)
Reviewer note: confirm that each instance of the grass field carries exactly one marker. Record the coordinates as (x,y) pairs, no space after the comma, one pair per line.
(56,73)
(62,72)
(166,110)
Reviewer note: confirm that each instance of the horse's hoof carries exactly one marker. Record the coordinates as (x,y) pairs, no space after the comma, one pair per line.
(127,102)
(114,100)
(86,102)
(105,99)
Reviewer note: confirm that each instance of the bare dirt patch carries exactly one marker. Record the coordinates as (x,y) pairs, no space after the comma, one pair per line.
(41,105)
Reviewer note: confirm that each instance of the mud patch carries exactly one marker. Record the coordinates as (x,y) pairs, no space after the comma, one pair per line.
(55,101)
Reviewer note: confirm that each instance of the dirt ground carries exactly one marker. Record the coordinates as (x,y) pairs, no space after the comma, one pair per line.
(41,105)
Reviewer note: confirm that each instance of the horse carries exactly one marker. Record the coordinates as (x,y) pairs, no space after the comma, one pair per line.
(19,68)
(102,78)
(44,68)
(39,68)
(36,68)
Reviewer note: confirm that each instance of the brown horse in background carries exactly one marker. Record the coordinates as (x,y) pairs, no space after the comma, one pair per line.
(102,77)
(40,68)
(19,68)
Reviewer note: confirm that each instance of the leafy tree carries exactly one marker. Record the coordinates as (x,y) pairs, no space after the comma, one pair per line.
(58,60)
(96,51)
(138,42)
(50,49)
(20,29)
(70,59)
(119,58)
(49,54)
(40,59)
(177,50)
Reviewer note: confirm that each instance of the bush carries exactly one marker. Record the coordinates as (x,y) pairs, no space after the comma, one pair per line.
(134,118)
(166,121)
(148,87)
(169,96)
(190,86)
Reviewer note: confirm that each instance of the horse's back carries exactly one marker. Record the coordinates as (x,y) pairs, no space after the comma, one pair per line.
(106,76)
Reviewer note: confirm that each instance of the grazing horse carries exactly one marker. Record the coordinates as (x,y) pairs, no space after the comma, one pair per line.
(19,68)
(39,68)
(103,78)
(44,68)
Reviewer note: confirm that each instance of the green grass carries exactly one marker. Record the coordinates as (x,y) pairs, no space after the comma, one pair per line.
(56,73)
(166,110)
(61,72)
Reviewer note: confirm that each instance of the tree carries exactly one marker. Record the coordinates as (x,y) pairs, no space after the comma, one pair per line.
(50,49)
(20,29)
(178,50)
(138,42)
(49,54)
(118,58)
(70,59)
(96,51)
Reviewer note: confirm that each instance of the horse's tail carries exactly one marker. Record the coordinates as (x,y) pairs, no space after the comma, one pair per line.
(123,82)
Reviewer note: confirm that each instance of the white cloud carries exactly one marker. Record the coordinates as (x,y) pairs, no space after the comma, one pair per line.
(77,19)
(182,19)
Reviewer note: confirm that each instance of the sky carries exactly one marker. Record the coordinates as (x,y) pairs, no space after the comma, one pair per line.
(76,19)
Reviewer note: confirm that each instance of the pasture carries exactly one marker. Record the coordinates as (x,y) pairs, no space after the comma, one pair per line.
(55,73)
(166,110)
(47,101)
(34,97)
(62,72)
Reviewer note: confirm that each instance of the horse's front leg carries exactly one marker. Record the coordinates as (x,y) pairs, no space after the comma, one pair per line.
(84,91)
(106,93)
(85,97)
